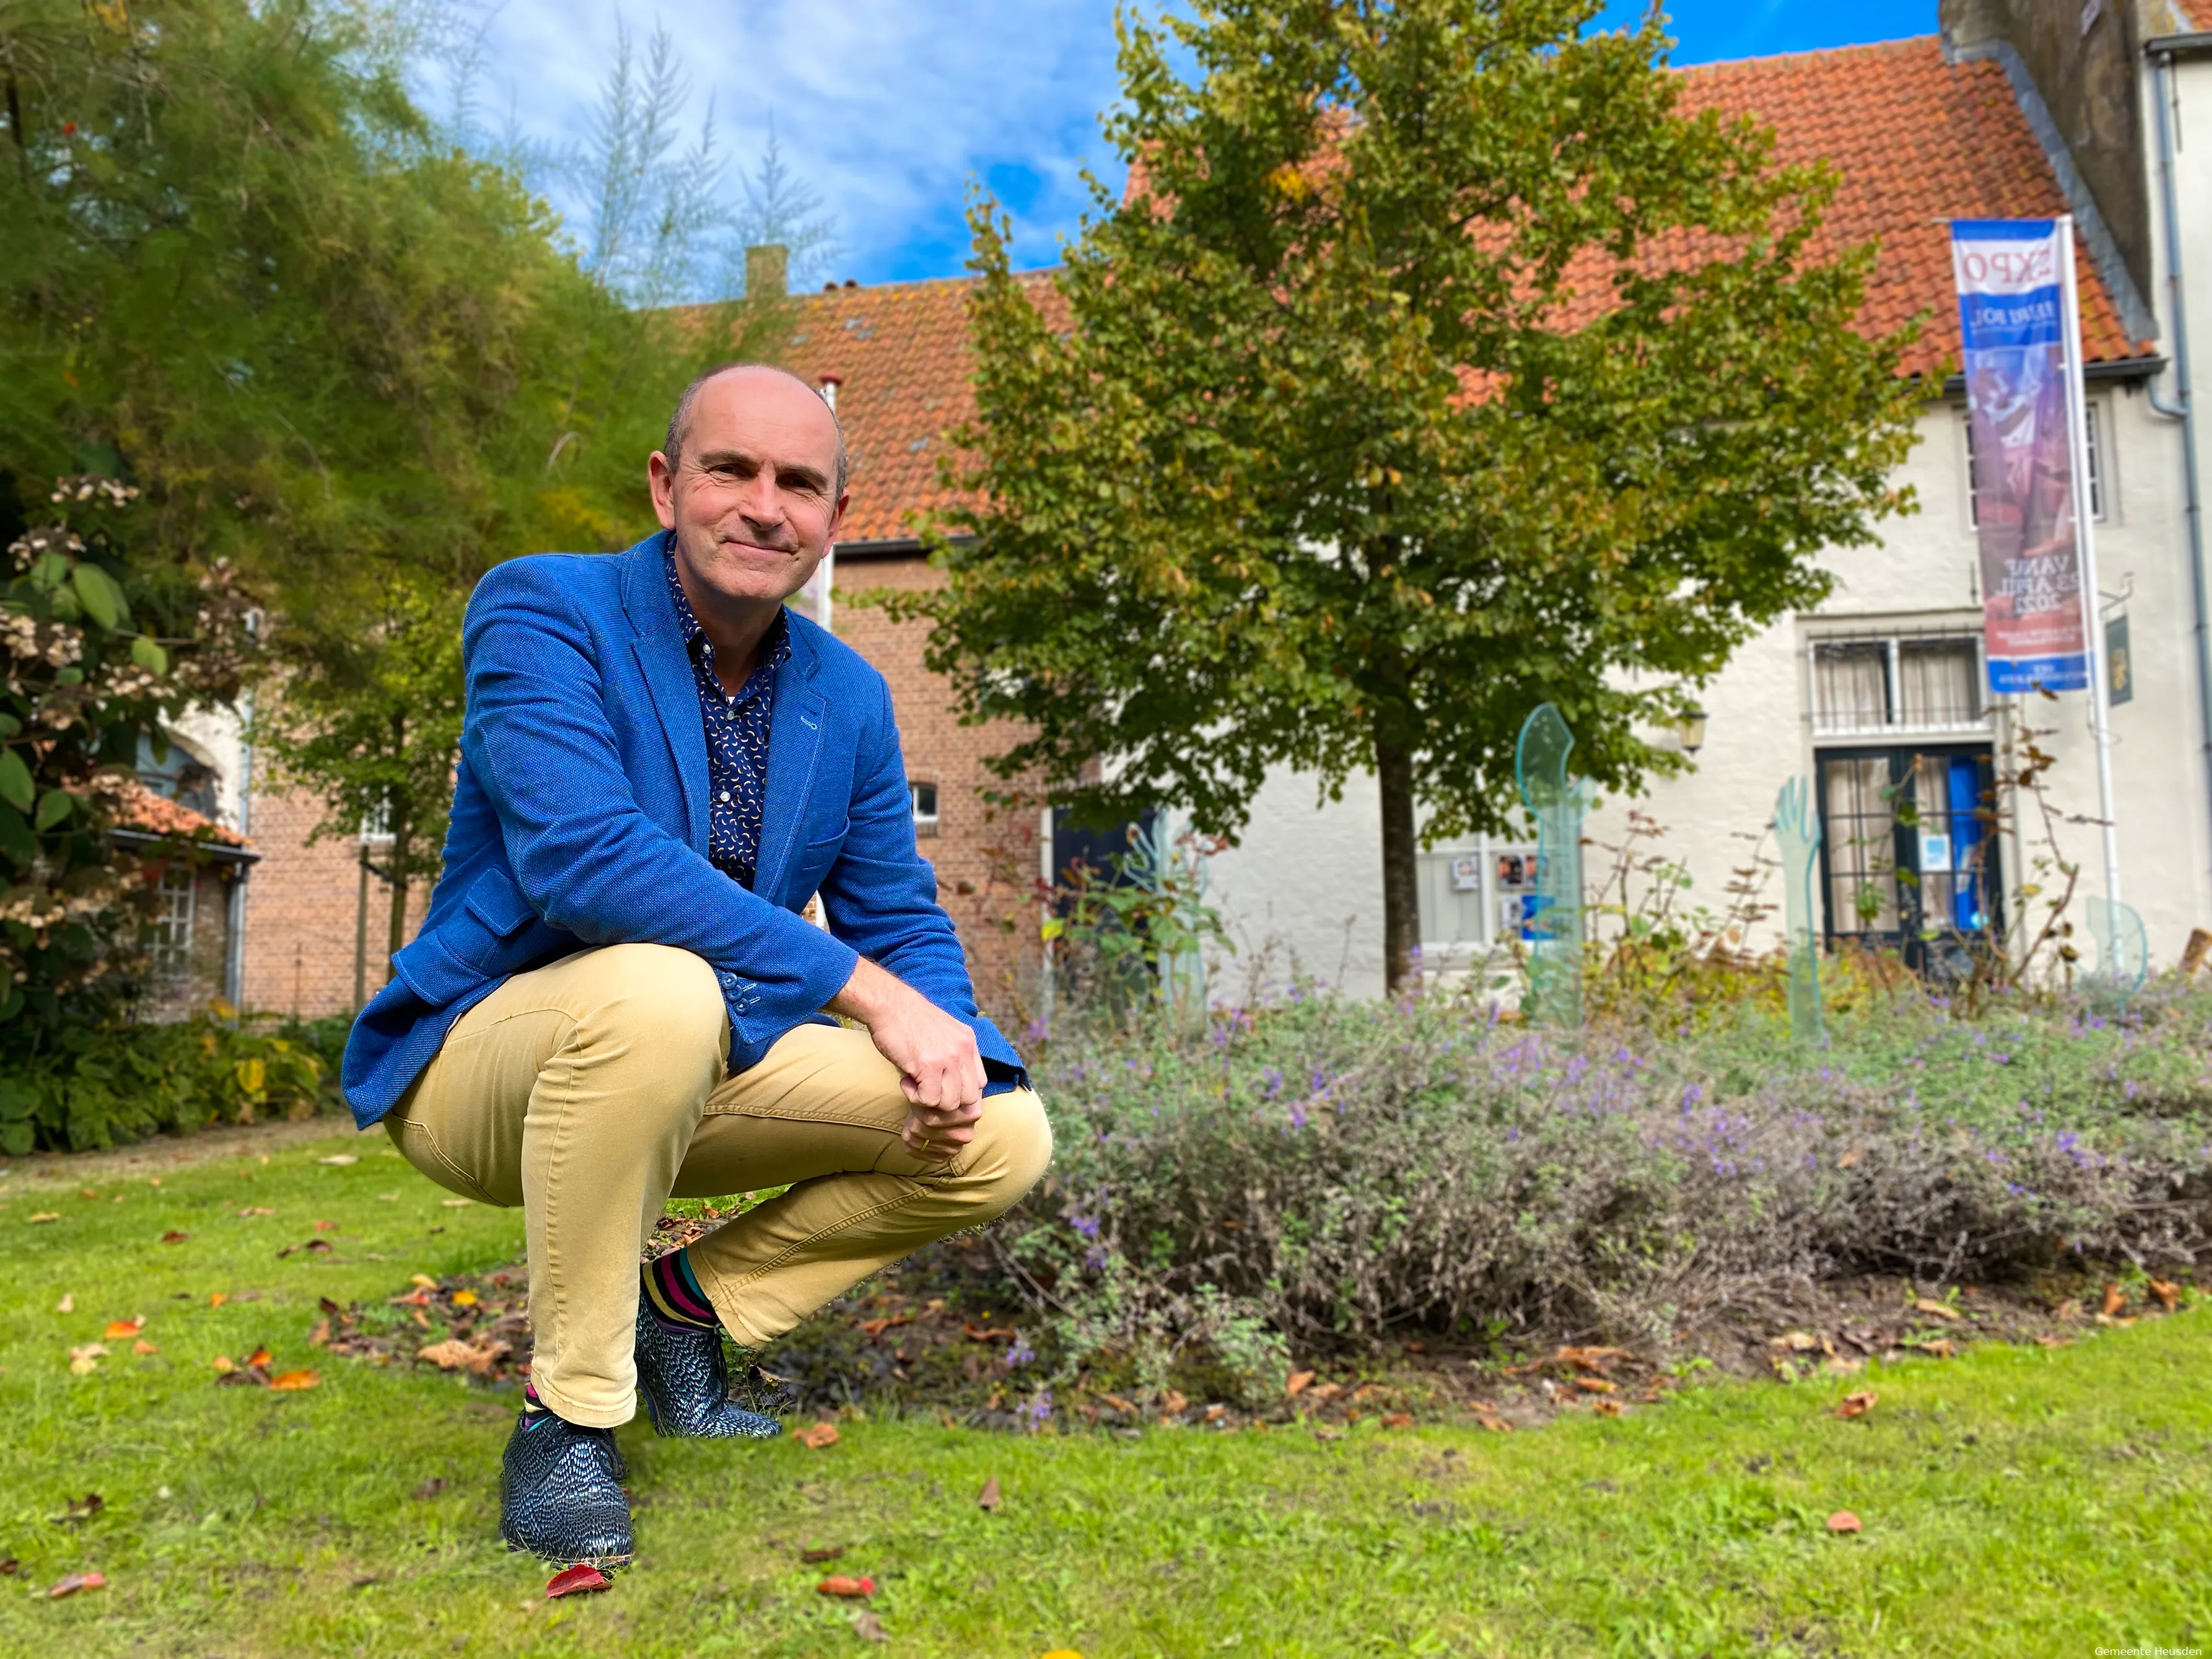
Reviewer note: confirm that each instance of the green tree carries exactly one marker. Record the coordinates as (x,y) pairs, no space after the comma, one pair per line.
(1435,365)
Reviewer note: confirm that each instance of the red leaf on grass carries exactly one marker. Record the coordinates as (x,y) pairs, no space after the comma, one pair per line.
(291,1382)
(1857,1405)
(8,1568)
(2166,1293)
(259,1357)
(578,1580)
(2115,1299)
(988,1499)
(1843,1521)
(815,1435)
(1299,1382)
(119,1329)
(843,1586)
(78,1581)
(172,1236)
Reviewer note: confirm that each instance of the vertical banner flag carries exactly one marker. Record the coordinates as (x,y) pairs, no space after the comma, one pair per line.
(2013,317)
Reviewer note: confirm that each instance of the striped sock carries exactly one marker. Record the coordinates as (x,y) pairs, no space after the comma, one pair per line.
(672,1292)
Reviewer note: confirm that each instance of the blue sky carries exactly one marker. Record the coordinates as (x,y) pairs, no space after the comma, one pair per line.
(889,108)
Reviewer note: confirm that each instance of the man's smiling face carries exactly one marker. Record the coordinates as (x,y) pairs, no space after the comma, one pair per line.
(752,494)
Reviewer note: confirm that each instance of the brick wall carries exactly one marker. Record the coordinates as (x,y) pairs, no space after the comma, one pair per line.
(301,910)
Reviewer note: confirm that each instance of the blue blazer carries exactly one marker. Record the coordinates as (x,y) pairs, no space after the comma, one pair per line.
(580,819)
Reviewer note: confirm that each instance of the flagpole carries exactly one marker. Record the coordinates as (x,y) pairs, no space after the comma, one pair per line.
(2085,529)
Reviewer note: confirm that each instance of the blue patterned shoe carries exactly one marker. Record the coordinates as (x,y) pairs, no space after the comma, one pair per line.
(559,1495)
(686,1384)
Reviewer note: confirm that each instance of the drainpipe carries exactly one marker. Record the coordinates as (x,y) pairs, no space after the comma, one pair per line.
(826,577)
(2184,408)
(234,956)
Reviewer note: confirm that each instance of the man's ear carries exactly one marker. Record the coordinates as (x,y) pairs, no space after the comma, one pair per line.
(660,479)
(836,520)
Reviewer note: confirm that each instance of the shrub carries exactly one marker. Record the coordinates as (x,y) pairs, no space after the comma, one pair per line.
(1329,1170)
(95,1085)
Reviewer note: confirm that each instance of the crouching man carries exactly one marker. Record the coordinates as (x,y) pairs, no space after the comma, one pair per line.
(615,997)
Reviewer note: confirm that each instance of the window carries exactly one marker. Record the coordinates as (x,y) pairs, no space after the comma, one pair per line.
(1860,832)
(925,805)
(2095,446)
(173,925)
(1891,681)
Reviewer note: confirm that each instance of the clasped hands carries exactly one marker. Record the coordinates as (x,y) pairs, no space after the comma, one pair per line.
(941,1069)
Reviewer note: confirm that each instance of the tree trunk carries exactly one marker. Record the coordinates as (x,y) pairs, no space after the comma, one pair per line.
(1401,908)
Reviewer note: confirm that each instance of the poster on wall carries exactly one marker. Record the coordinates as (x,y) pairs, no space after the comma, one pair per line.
(2013,318)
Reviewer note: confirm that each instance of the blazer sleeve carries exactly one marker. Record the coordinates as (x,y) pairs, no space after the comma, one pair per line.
(586,855)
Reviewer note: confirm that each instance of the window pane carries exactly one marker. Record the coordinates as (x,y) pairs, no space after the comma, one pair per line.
(1861,830)
(173,926)
(1850,686)
(1937,685)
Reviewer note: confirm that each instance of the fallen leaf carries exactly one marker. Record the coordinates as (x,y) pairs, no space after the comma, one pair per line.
(172,1236)
(1796,1341)
(46,1215)
(1495,1425)
(141,1345)
(217,1298)
(2166,1293)
(877,1327)
(67,1304)
(1933,1309)
(868,1627)
(293,1382)
(1299,1382)
(988,1499)
(86,1360)
(424,1282)
(1063,1653)
(223,1367)
(9,1567)
(815,1558)
(1857,1405)
(578,1580)
(815,1435)
(78,1581)
(81,1509)
(259,1357)
(1127,1408)
(1843,1521)
(86,1192)
(457,1203)
(1606,1408)
(1594,1385)
(431,1487)
(843,1586)
(340,1159)
(2115,1299)
(1399,1421)
(1850,1158)
(321,1336)
(1173,1402)
(1941,1347)
(464,1298)
(119,1329)
(455,1355)
(255,1209)
(326,1226)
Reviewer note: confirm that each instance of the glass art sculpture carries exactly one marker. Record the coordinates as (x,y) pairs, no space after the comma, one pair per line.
(1559,805)
(1798,832)
(2123,945)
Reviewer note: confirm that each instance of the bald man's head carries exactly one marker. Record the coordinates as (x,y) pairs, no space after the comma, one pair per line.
(679,421)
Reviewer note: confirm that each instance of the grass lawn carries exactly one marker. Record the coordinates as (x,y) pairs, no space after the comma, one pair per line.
(2013,1500)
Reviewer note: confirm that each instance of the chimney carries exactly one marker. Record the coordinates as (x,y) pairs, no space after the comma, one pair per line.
(766,266)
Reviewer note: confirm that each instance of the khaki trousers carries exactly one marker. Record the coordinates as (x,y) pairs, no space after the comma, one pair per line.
(590,1090)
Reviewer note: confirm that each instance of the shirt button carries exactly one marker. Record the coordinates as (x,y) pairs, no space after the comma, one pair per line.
(725,794)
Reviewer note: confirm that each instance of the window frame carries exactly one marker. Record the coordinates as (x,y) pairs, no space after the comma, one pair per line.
(1894,643)
(2096,445)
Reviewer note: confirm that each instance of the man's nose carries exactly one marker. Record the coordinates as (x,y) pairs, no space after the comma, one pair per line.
(761,501)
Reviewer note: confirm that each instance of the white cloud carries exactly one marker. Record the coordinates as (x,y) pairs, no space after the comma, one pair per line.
(887,108)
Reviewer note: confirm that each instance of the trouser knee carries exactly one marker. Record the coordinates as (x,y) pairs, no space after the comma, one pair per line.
(1012,1145)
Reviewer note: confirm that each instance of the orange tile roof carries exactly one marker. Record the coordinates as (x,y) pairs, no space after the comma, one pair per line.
(901,353)
(151,814)
(1915,140)
(2198,12)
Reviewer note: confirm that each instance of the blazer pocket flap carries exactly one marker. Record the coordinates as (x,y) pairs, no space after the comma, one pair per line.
(496,901)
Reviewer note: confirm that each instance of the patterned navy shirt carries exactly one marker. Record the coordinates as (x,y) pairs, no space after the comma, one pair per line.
(737,738)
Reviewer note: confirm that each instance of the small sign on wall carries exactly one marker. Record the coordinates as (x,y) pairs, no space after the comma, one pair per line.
(2120,665)
(1466,875)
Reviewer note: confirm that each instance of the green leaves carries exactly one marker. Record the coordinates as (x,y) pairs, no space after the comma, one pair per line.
(53,806)
(98,592)
(16,786)
(149,655)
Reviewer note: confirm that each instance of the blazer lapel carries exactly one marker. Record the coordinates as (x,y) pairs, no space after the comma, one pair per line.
(659,647)
(795,748)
